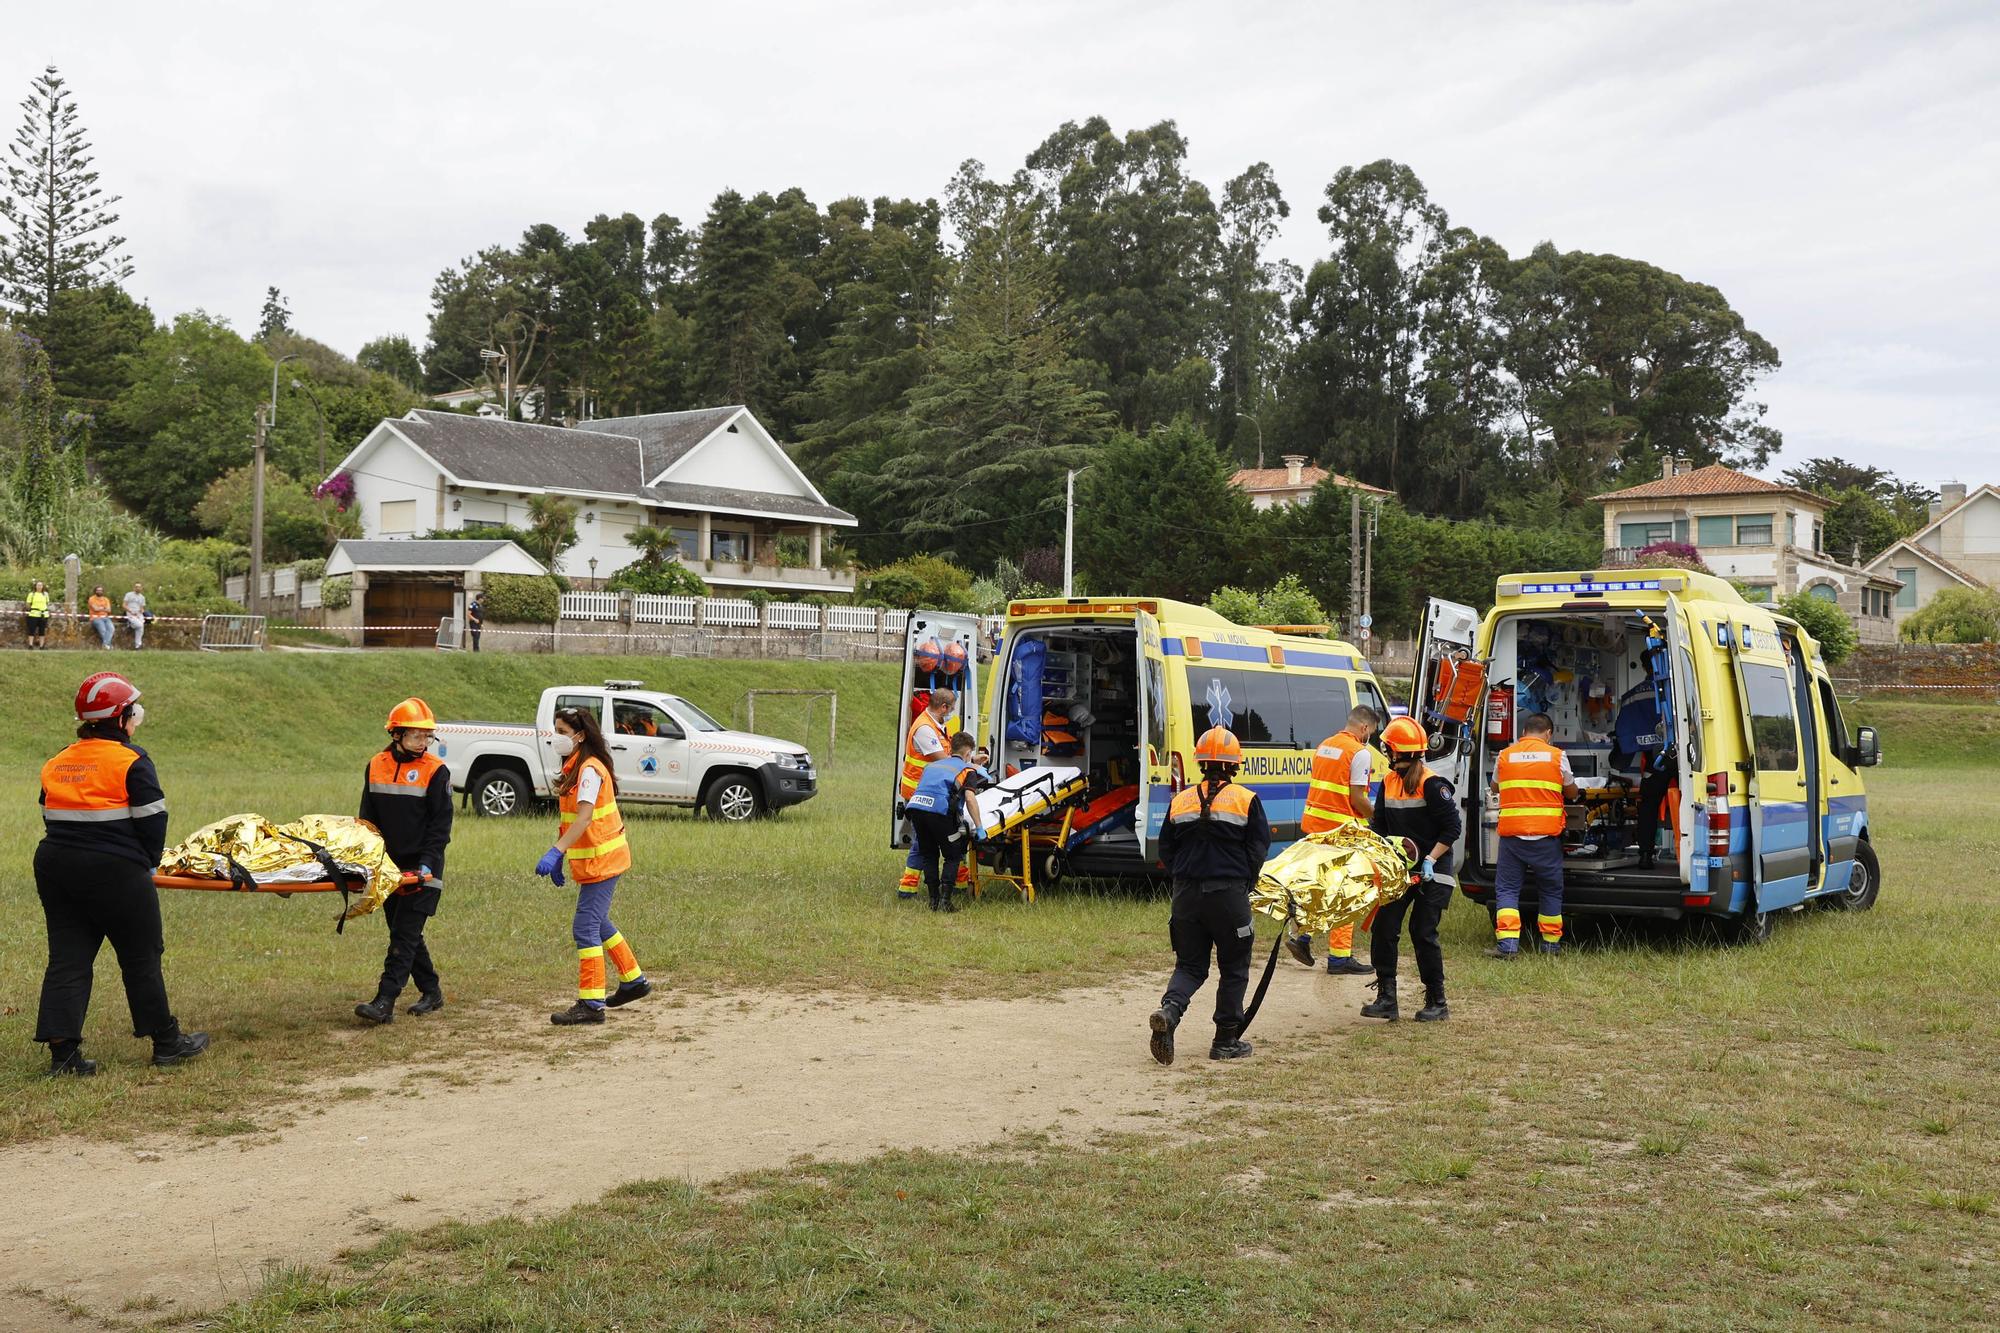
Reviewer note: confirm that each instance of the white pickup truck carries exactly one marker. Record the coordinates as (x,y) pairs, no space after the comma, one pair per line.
(664,751)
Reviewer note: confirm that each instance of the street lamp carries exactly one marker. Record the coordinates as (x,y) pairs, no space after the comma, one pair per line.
(1260,435)
(266,421)
(321,412)
(593,571)
(506,379)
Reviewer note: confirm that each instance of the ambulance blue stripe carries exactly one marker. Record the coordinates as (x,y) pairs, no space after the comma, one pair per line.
(1241,652)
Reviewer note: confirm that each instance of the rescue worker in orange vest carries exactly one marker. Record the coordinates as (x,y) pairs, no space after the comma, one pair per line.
(104,825)
(1214,843)
(1341,771)
(1420,807)
(1534,780)
(406,795)
(592,844)
(926,742)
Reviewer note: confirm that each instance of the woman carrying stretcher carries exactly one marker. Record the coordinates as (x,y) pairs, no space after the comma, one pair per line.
(592,844)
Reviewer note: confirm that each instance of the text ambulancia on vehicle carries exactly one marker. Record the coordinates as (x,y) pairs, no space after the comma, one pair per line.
(1717,776)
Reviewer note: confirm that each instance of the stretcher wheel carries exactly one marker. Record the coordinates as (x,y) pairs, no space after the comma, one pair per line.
(1050,868)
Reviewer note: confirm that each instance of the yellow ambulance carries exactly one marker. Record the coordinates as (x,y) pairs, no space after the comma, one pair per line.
(1668,691)
(1120,688)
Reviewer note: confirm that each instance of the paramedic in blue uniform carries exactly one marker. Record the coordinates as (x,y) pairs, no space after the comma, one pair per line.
(1421,807)
(1640,740)
(936,810)
(1214,844)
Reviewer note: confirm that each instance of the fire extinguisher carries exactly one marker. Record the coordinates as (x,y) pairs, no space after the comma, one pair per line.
(1500,715)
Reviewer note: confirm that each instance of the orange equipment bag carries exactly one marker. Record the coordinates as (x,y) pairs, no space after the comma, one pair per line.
(1456,691)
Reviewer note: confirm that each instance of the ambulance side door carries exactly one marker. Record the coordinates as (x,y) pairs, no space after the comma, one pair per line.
(1444,677)
(1781,856)
(928,630)
(1155,758)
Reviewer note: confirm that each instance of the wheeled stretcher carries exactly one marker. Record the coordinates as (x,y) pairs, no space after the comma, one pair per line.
(1021,808)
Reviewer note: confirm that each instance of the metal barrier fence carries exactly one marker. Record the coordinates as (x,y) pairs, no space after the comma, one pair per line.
(451,636)
(220,633)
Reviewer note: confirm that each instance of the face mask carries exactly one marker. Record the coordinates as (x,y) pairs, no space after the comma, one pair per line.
(565,746)
(134,718)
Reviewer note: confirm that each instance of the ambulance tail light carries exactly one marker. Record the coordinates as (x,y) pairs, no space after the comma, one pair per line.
(1718,817)
(1500,716)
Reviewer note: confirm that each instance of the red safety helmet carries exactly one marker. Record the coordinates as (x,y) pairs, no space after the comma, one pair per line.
(1405,736)
(411,715)
(1218,745)
(104,696)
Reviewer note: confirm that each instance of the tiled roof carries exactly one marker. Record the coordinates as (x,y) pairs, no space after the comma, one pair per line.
(666,436)
(763,502)
(1909,544)
(1715,479)
(1278,479)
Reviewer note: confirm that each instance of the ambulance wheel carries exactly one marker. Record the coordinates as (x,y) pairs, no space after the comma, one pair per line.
(500,791)
(733,799)
(1755,927)
(1863,886)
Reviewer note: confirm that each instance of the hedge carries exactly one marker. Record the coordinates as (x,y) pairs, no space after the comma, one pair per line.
(521,599)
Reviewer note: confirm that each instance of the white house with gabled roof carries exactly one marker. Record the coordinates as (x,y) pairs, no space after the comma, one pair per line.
(742,513)
(1958,548)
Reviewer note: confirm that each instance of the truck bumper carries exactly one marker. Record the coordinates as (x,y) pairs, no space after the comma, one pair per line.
(786,786)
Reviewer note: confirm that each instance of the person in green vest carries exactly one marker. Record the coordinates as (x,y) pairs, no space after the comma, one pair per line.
(38,615)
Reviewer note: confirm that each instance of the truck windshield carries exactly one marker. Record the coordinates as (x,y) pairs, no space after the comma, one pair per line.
(694,717)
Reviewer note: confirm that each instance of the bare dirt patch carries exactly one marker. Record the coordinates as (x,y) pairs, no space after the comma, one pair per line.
(697,1091)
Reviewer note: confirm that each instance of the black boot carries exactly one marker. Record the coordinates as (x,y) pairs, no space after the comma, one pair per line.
(1300,947)
(1163,1022)
(184,1047)
(381,1009)
(428,1003)
(627,992)
(1435,1010)
(1384,1004)
(66,1061)
(1228,1045)
(577,1014)
(1350,966)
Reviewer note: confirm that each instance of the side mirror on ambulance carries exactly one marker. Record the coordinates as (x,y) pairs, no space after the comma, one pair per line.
(1867,750)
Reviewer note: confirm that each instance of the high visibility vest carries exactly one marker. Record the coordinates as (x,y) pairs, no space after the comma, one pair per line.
(1395,796)
(1327,803)
(1531,789)
(1230,805)
(85,784)
(601,852)
(100,608)
(390,776)
(914,759)
(38,604)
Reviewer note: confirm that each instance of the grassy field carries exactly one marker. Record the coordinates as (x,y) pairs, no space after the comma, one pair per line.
(1651,1133)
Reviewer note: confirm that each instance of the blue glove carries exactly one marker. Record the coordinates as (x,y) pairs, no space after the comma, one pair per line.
(550,866)
(423,874)
(1428,872)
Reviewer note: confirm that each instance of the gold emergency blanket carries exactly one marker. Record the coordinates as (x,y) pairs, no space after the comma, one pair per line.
(1334,878)
(274,858)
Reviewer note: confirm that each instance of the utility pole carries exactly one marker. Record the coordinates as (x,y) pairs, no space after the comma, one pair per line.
(1069,531)
(256,598)
(1354,593)
(1368,572)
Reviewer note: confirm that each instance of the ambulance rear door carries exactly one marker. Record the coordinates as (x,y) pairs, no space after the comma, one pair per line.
(931,636)
(1447,689)
(1155,757)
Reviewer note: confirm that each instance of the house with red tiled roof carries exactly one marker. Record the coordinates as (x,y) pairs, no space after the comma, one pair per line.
(1767,537)
(1276,487)
(1958,548)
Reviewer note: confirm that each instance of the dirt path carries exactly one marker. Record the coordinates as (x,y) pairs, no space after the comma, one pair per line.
(695,1092)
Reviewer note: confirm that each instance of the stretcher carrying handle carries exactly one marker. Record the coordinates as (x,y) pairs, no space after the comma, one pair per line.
(1270,965)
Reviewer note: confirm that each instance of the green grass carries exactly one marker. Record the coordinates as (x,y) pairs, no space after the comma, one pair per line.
(802,901)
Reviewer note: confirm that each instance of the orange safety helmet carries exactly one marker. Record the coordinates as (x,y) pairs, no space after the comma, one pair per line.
(411,715)
(927,655)
(954,658)
(1218,745)
(1405,735)
(104,695)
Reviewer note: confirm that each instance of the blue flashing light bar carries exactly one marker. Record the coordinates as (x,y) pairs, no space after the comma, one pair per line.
(1623,585)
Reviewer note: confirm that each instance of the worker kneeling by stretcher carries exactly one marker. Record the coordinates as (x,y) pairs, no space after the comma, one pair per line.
(938,810)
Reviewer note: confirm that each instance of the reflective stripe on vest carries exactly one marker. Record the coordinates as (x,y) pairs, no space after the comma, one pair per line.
(1230,805)
(85,784)
(389,776)
(601,853)
(1327,797)
(1529,775)
(915,761)
(1396,797)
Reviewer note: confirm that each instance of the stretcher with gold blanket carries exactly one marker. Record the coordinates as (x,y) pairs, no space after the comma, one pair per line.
(1019,809)
(1325,880)
(316,854)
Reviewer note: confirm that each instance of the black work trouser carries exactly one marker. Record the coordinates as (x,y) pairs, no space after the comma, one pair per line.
(1652,790)
(1424,904)
(938,850)
(1211,915)
(406,914)
(88,898)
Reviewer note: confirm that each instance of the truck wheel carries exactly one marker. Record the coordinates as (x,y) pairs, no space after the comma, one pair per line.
(500,791)
(733,799)
(1754,927)
(1865,884)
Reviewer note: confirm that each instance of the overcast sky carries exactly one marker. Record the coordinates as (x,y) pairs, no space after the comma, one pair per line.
(1832,167)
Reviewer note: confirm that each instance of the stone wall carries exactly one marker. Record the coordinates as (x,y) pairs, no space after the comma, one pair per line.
(67,631)
(1962,670)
